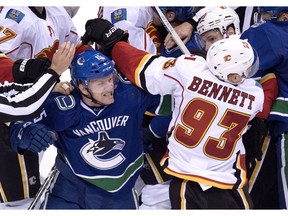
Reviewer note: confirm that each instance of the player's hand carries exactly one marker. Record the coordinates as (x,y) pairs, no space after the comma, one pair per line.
(62,58)
(103,33)
(253,140)
(28,70)
(31,136)
(63,87)
(184,31)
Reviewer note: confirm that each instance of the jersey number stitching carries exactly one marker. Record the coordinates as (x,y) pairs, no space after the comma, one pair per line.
(197,118)
(9,34)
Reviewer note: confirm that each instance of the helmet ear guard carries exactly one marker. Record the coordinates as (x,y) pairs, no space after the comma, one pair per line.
(232,56)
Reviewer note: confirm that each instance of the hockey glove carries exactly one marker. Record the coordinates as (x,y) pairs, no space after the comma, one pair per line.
(253,140)
(103,33)
(28,70)
(30,136)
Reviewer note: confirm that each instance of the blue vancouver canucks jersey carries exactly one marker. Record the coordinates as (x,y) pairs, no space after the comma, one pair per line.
(269,38)
(103,147)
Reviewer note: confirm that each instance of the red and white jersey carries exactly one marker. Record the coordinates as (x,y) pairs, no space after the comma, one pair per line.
(23,34)
(209,118)
(139,24)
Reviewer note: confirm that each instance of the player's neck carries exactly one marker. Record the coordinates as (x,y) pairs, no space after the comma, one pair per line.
(39,9)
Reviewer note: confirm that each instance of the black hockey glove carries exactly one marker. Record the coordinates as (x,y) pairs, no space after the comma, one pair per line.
(28,70)
(103,33)
(253,140)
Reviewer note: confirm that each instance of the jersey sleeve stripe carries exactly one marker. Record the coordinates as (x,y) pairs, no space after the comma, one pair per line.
(27,104)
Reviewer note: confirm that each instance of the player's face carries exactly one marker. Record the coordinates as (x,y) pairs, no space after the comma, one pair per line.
(102,90)
(230,31)
(211,37)
(266,16)
(283,16)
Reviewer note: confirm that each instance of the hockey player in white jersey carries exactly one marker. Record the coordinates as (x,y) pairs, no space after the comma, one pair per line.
(138,21)
(30,33)
(214,101)
(221,22)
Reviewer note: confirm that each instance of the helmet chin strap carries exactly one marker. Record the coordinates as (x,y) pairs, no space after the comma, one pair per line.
(93,99)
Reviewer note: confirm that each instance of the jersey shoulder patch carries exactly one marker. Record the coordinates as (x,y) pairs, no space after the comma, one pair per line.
(119,15)
(65,102)
(15,15)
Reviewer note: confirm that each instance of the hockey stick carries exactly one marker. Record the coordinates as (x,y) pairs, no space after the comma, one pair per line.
(46,184)
(171,30)
(44,187)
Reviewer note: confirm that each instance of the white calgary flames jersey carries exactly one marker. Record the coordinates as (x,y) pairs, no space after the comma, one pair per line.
(136,20)
(208,122)
(23,34)
(209,118)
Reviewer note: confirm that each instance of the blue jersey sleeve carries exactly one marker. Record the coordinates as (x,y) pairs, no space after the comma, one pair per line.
(159,125)
(265,38)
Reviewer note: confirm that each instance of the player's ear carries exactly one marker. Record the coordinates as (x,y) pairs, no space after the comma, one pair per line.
(83,89)
(170,16)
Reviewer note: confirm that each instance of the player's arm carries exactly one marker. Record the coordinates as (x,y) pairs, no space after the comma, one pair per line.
(184,30)
(141,64)
(6,65)
(254,136)
(270,87)
(28,104)
(81,48)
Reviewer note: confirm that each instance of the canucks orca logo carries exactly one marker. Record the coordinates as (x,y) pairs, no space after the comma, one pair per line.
(93,152)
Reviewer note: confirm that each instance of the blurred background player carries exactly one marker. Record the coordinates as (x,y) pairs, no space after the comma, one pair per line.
(139,24)
(221,22)
(176,16)
(269,38)
(186,28)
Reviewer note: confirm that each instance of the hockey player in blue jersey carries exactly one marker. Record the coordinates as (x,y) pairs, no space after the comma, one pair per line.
(176,16)
(269,38)
(100,148)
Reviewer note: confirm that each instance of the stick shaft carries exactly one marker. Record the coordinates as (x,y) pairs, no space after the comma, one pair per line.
(171,30)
